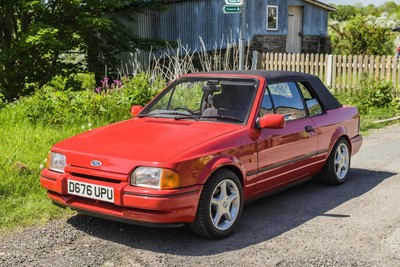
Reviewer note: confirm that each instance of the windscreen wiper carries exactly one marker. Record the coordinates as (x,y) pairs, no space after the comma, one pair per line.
(164,115)
(220,117)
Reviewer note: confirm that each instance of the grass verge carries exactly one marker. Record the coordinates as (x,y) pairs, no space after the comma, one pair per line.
(24,148)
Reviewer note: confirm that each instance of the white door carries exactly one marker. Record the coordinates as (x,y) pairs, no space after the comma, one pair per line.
(295,29)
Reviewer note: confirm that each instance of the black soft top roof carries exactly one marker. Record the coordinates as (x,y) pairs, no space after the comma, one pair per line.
(324,95)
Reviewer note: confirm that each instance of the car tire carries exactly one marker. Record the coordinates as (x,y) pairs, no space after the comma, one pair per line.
(337,166)
(220,206)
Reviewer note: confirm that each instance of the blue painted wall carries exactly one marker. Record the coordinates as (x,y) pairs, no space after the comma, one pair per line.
(188,20)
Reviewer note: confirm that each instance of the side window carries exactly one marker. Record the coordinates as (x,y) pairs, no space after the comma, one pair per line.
(266,105)
(287,100)
(313,106)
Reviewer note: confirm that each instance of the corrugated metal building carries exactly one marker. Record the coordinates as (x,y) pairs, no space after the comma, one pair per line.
(271,25)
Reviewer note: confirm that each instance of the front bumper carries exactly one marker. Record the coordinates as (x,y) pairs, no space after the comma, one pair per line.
(137,205)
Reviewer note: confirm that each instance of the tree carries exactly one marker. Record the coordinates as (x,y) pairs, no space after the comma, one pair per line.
(358,36)
(37,35)
(389,7)
(344,12)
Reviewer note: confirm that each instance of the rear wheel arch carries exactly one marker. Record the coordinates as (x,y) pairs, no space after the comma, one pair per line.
(340,132)
(346,137)
(348,142)
(336,168)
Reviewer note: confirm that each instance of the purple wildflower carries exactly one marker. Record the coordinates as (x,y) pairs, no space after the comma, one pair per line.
(118,83)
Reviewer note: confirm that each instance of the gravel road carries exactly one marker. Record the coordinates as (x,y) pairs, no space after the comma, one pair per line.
(356,224)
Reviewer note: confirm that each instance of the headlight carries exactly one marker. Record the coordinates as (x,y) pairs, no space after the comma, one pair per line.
(56,162)
(155,178)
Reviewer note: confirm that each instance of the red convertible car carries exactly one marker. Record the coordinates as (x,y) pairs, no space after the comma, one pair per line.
(205,146)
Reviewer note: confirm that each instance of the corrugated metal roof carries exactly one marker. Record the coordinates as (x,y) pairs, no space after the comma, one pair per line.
(322,5)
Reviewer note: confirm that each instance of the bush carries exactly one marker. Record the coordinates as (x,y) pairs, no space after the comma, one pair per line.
(377,94)
(2,101)
(376,100)
(110,103)
(74,82)
(372,96)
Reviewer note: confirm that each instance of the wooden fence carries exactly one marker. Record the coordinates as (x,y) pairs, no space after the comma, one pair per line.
(339,72)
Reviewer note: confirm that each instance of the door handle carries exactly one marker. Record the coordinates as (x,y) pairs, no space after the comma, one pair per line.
(309,129)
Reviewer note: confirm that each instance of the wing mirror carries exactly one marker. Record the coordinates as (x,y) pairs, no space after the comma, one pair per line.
(274,121)
(135,110)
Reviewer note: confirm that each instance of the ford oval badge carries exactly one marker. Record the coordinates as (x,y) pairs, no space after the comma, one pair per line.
(95,163)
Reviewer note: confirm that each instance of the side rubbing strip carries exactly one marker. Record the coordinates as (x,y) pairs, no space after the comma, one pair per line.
(286,162)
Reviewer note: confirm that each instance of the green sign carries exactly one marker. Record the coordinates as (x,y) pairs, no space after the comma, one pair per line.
(232,9)
(233,2)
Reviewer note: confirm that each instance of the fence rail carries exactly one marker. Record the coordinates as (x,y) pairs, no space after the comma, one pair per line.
(339,72)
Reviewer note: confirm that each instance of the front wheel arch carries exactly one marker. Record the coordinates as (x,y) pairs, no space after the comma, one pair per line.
(222,162)
(220,205)
(235,170)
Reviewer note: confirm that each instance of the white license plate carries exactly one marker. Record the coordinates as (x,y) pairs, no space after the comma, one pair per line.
(92,191)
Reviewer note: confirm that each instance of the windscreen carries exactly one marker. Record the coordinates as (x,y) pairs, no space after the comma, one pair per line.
(224,100)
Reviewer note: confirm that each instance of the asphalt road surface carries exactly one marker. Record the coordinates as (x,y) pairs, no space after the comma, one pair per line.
(355,224)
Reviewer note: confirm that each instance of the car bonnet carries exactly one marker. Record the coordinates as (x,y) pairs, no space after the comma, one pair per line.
(141,141)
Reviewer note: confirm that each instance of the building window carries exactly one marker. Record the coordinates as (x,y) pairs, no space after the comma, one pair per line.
(272,17)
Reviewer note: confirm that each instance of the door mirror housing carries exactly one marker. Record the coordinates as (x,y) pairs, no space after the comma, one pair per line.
(135,110)
(273,121)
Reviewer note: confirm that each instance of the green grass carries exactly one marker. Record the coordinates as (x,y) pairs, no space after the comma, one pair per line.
(31,125)
(24,148)
(370,120)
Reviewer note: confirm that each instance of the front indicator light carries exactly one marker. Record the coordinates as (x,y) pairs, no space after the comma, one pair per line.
(169,179)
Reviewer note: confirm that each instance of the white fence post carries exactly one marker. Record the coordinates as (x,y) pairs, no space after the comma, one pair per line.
(256,58)
(329,68)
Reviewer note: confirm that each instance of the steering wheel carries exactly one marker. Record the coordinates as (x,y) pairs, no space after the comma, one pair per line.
(185,109)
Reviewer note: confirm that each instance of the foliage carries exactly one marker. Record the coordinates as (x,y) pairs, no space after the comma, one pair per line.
(344,12)
(24,148)
(2,101)
(37,39)
(390,7)
(375,99)
(59,107)
(357,36)
(73,82)
(31,125)
(355,29)
(347,12)
(141,89)
(373,94)
(376,94)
